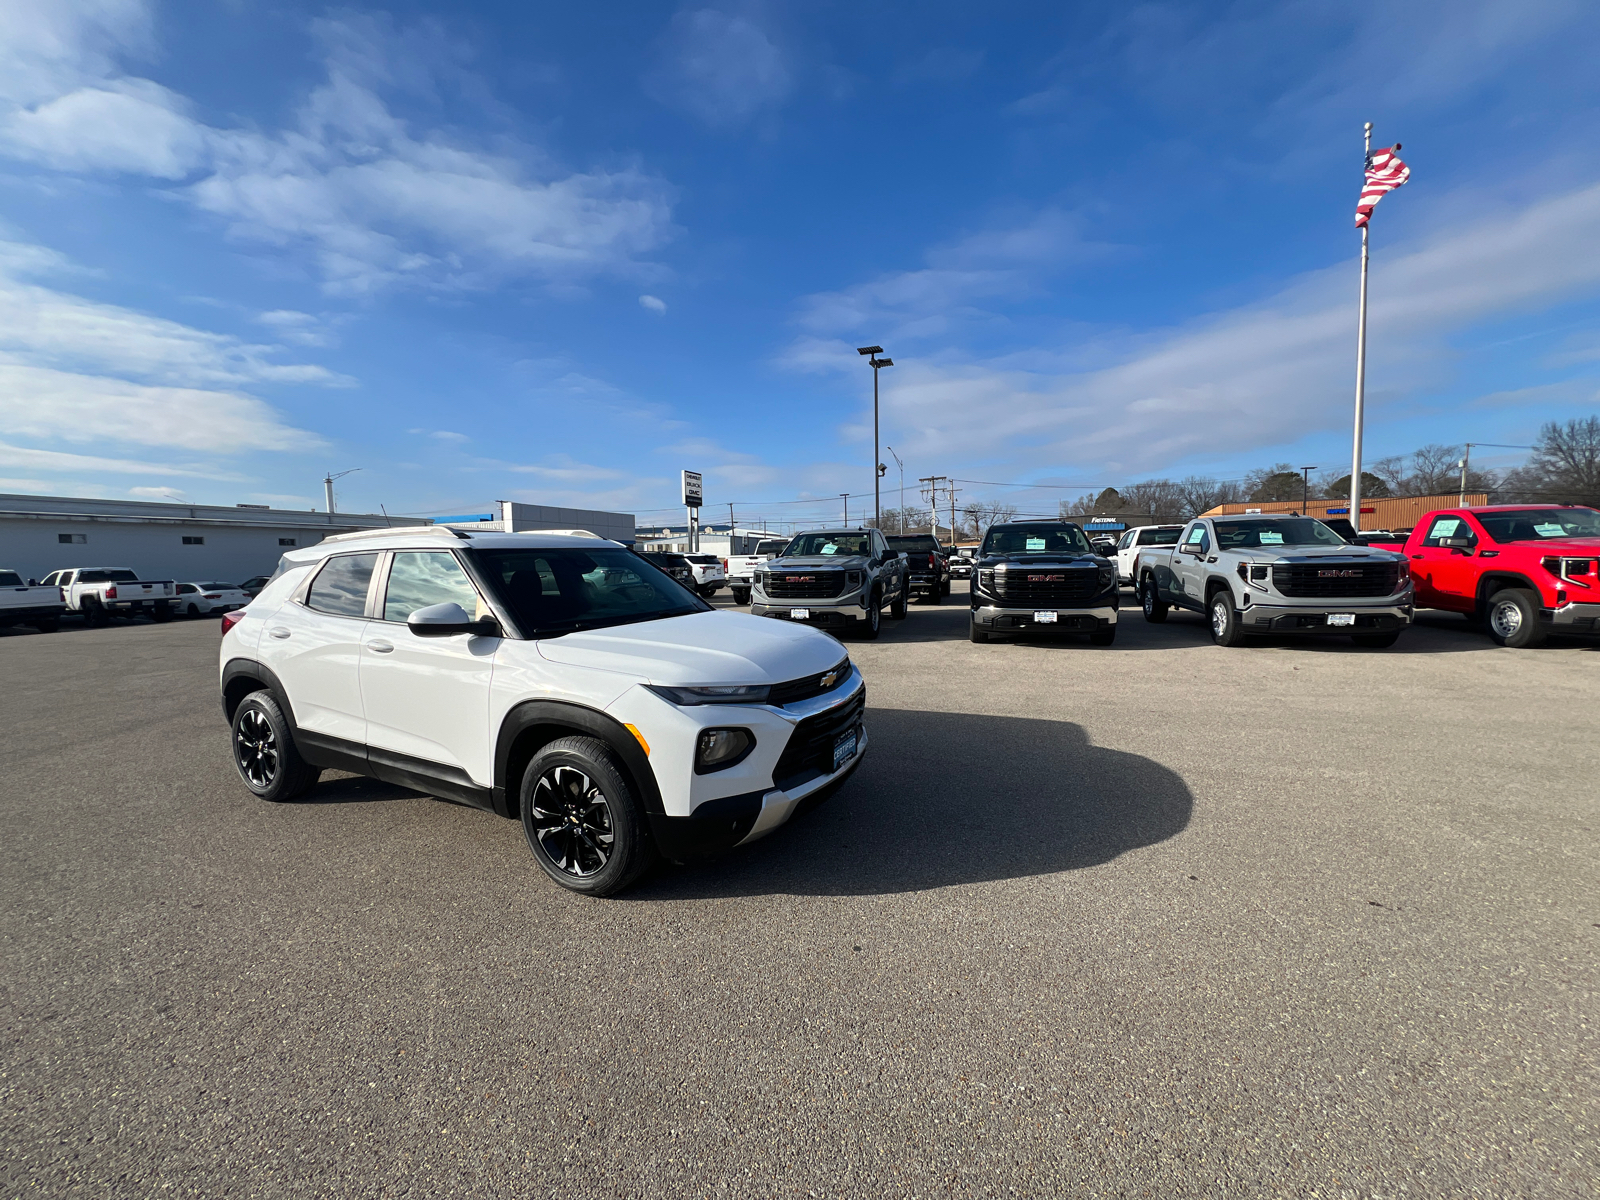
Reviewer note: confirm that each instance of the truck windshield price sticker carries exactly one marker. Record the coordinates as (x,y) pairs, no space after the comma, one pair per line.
(1035,543)
(1271,538)
(1444,527)
(830,548)
(1549,530)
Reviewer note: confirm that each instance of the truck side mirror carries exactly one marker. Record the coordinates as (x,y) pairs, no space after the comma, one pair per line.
(1456,543)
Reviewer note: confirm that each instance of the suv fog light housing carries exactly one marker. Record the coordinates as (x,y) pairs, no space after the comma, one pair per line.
(718,749)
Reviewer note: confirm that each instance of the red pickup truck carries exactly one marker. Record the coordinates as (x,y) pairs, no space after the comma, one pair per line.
(1523,571)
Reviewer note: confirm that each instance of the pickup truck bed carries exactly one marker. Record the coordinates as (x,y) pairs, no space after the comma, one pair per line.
(25,604)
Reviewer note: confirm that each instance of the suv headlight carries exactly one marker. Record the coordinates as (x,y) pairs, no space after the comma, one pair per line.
(718,749)
(739,693)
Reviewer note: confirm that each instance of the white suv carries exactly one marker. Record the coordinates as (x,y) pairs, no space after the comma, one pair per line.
(559,680)
(709,573)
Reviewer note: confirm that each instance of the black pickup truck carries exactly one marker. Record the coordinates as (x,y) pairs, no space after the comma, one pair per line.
(1042,577)
(930,568)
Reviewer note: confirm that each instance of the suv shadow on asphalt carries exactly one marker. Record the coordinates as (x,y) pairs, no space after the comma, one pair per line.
(951,798)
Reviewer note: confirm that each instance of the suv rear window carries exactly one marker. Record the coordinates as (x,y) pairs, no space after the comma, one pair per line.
(340,588)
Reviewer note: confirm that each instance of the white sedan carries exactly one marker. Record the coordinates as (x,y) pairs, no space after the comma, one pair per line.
(199,599)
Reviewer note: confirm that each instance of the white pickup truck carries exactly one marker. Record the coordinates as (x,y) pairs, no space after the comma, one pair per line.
(28,604)
(1276,573)
(100,593)
(741,568)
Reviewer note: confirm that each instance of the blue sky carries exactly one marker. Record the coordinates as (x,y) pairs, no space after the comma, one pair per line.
(557,253)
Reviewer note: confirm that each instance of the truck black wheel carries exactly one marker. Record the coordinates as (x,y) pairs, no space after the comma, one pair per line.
(897,610)
(264,751)
(872,623)
(978,635)
(94,613)
(1224,621)
(741,596)
(1514,619)
(1103,637)
(581,818)
(1376,641)
(1155,608)
(161,613)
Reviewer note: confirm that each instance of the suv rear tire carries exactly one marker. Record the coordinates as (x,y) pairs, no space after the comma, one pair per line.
(583,823)
(264,752)
(1155,608)
(1513,619)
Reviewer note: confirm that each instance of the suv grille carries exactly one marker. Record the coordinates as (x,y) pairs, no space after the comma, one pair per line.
(804,585)
(795,690)
(1047,585)
(810,749)
(1337,579)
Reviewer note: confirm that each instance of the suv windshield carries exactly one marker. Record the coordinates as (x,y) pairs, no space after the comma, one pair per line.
(923,544)
(1296,531)
(1035,539)
(559,591)
(810,545)
(1536,524)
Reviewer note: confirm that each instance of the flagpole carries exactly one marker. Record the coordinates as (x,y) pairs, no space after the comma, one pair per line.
(1361,367)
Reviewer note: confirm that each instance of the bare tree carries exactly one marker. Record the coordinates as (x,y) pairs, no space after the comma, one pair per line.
(1435,470)
(1201,493)
(1565,466)
(982,514)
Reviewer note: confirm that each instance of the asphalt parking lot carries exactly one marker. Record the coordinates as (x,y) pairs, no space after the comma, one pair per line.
(1160,919)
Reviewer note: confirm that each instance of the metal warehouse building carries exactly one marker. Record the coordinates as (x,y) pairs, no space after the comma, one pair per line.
(195,543)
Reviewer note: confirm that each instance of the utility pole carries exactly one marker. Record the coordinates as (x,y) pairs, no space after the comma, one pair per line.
(846,497)
(936,483)
(1465,459)
(900,525)
(1305,493)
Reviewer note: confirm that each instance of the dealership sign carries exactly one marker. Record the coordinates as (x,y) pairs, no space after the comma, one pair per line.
(692,492)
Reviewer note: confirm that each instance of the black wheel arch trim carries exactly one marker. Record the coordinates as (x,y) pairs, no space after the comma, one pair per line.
(571,718)
(249,668)
(1495,581)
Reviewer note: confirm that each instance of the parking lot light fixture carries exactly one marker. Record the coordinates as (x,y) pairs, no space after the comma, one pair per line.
(877,469)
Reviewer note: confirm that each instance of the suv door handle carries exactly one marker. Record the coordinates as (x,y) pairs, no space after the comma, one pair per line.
(380,647)
(278,632)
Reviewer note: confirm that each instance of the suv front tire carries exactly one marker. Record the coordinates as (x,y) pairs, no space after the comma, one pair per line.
(264,752)
(581,818)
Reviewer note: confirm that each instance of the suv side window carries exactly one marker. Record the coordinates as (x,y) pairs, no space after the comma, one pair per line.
(420,578)
(1197,536)
(340,588)
(1449,527)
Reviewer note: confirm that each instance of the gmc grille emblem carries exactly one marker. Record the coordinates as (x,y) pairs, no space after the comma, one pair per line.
(800,579)
(1046,578)
(1338,574)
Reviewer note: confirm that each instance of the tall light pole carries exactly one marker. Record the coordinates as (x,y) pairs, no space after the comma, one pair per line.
(846,497)
(900,525)
(1305,492)
(327,485)
(877,467)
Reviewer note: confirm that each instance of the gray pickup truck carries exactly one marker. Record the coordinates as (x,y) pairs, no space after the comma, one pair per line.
(836,579)
(1276,573)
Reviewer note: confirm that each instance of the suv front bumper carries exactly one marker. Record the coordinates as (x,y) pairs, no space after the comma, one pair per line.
(1290,618)
(1022,620)
(1575,618)
(834,612)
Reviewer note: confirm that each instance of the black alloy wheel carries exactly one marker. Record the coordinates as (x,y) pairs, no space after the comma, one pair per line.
(581,819)
(193,610)
(571,821)
(264,751)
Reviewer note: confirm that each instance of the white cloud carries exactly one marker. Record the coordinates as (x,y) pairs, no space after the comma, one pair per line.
(56,460)
(1252,377)
(369,199)
(721,68)
(302,329)
(654,303)
(156,493)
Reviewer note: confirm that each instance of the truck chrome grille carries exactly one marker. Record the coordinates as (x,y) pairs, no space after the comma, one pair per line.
(1337,578)
(1047,586)
(810,749)
(805,585)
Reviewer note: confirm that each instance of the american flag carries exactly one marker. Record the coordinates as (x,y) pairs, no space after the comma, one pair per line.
(1385,172)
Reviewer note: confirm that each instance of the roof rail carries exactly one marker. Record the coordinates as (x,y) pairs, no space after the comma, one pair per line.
(397,531)
(567,533)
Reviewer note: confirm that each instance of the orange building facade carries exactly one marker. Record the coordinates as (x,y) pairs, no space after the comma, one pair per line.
(1401,513)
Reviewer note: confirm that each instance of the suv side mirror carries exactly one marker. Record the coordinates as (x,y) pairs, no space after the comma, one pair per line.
(449,619)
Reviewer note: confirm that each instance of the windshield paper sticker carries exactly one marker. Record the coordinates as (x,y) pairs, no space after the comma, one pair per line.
(1549,530)
(1271,537)
(830,548)
(1035,543)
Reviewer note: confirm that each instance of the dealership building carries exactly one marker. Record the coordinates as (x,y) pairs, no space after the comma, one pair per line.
(201,543)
